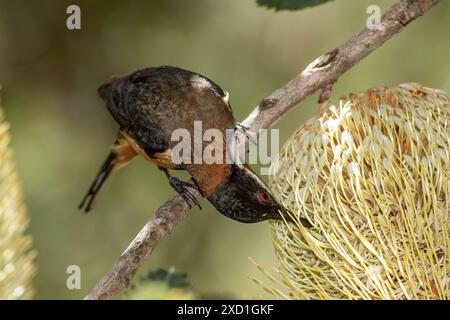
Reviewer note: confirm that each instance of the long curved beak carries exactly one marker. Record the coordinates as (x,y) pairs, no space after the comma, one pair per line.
(287,214)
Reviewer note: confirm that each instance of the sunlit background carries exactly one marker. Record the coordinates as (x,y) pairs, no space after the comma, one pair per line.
(62,130)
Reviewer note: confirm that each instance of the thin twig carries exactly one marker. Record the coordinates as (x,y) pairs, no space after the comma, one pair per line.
(323,72)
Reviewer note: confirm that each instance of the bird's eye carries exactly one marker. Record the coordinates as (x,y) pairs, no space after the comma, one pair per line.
(264,197)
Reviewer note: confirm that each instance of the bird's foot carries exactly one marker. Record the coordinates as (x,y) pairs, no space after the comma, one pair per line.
(181,187)
(251,136)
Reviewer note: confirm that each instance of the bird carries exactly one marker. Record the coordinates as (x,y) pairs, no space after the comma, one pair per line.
(148,105)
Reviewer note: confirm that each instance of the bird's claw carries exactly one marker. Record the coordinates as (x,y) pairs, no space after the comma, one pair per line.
(246,131)
(181,187)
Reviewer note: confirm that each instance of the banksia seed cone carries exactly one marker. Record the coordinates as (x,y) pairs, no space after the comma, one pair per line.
(16,259)
(373,177)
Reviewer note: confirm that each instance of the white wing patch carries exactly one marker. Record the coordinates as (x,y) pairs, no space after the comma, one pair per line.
(226,97)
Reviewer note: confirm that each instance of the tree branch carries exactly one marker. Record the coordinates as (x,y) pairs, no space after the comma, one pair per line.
(323,72)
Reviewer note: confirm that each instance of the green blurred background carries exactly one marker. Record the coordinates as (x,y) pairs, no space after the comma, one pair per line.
(62,131)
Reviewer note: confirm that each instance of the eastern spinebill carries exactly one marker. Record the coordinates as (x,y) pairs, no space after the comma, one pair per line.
(149,104)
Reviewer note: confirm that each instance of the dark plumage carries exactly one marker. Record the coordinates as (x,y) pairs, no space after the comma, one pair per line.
(149,105)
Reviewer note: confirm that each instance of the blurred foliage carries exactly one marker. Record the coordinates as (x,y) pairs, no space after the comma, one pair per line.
(161,285)
(17,266)
(62,130)
(174,280)
(165,284)
(290,4)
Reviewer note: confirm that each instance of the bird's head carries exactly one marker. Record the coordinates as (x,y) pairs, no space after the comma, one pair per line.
(245,198)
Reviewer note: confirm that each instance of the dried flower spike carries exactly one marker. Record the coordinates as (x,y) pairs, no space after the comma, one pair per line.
(16,260)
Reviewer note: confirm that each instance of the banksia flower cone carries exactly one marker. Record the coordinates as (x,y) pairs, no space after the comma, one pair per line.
(16,259)
(372,175)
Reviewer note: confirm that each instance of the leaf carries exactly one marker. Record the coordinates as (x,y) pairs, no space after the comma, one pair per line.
(289,4)
(173,280)
(158,275)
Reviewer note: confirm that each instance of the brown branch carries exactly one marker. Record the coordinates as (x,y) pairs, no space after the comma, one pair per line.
(323,72)
(159,225)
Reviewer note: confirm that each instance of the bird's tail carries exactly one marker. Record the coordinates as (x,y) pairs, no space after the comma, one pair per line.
(104,172)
